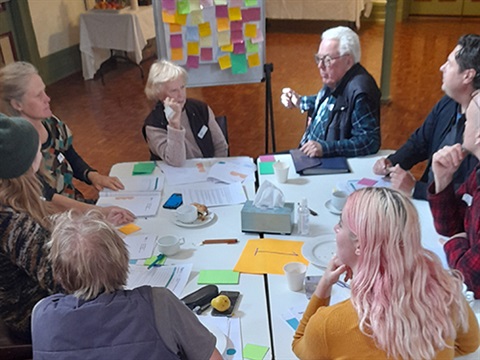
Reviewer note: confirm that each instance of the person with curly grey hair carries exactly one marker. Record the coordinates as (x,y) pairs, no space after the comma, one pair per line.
(344,117)
(95,317)
(179,128)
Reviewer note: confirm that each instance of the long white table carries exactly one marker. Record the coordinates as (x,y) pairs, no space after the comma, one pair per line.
(252,307)
(102,31)
(266,298)
(317,189)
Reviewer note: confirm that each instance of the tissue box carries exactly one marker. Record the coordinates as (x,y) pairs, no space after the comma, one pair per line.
(276,220)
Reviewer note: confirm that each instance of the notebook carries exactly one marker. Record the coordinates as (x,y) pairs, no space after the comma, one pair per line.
(305,165)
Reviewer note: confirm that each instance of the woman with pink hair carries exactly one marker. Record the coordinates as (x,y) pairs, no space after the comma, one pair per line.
(403,305)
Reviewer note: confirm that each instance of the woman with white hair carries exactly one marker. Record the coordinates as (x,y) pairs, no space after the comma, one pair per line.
(179,128)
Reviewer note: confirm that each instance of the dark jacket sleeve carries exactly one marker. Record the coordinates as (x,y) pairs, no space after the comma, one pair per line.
(79,166)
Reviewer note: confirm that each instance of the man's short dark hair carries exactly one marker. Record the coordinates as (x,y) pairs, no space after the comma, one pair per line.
(469,56)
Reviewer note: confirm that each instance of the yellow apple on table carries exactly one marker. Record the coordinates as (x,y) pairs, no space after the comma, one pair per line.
(221,303)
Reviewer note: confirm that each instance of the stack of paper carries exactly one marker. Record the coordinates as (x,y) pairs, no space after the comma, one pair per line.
(142,195)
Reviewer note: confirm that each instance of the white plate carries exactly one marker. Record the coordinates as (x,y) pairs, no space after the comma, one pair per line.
(197,222)
(332,208)
(320,251)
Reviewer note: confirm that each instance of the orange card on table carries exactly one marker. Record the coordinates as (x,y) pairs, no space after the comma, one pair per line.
(129,228)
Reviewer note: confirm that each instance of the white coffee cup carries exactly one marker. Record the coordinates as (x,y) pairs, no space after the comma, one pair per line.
(169,244)
(186,213)
(295,272)
(339,198)
(280,168)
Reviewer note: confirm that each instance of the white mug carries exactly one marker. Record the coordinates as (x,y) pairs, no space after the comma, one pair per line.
(169,244)
(186,213)
(339,198)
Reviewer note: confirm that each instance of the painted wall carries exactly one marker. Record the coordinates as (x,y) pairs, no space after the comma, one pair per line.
(55,23)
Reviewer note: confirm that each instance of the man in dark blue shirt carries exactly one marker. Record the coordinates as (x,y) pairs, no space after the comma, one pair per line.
(443,126)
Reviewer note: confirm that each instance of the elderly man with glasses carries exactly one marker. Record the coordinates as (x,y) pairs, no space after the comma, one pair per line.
(344,117)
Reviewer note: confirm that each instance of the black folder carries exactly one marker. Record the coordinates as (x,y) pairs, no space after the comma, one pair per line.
(305,165)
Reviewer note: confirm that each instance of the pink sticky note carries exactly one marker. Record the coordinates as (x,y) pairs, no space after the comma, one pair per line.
(176,41)
(236,36)
(239,48)
(367,182)
(267,158)
(192,62)
(236,25)
(206,54)
(251,14)
(221,11)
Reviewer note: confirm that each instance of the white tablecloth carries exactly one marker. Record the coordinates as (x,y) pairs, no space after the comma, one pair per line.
(103,30)
(344,10)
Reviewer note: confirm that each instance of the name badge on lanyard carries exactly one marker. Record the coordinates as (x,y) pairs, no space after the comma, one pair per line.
(202,132)
(60,158)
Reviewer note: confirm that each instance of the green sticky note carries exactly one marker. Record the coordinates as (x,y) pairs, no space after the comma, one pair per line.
(266,168)
(251,47)
(218,277)
(183,7)
(254,352)
(152,258)
(143,168)
(239,64)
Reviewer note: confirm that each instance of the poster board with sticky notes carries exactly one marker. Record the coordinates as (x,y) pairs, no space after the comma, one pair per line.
(219,42)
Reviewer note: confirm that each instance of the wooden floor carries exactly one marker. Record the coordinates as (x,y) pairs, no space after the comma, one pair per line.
(107,119)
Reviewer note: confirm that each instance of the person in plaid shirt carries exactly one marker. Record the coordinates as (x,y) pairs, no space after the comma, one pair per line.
(457,214)
(344,117)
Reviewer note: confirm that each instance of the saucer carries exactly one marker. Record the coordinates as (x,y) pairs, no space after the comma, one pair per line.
(332,208)
(209,218)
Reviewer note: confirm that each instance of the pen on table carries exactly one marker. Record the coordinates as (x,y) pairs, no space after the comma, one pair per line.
(200,309)
(219,241)
(156,261)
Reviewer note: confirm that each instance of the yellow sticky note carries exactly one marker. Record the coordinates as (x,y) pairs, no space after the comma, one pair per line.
(167,17)
(196,17)
(227,48)
(205,41)
(175,28)
(205,29)
(224,62)
(251,30)
(223,24)
(193,48)
(234,14)
(129,228)
(177,54)
(253,60)
(223,38)
(181,19)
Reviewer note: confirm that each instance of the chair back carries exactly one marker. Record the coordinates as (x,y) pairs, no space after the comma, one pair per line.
(222,122)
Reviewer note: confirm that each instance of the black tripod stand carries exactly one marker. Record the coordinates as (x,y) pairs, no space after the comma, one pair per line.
(269,123)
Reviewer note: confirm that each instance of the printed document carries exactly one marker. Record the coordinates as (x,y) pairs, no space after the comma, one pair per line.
(172,277)
(212,194)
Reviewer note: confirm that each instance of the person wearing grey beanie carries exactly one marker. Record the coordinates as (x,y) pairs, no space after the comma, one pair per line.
(25,273)
(19,146)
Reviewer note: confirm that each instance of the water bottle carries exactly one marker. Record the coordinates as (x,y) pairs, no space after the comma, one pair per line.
(302,219)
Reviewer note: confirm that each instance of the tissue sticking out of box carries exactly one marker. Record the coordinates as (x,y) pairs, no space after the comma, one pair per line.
(269,196)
